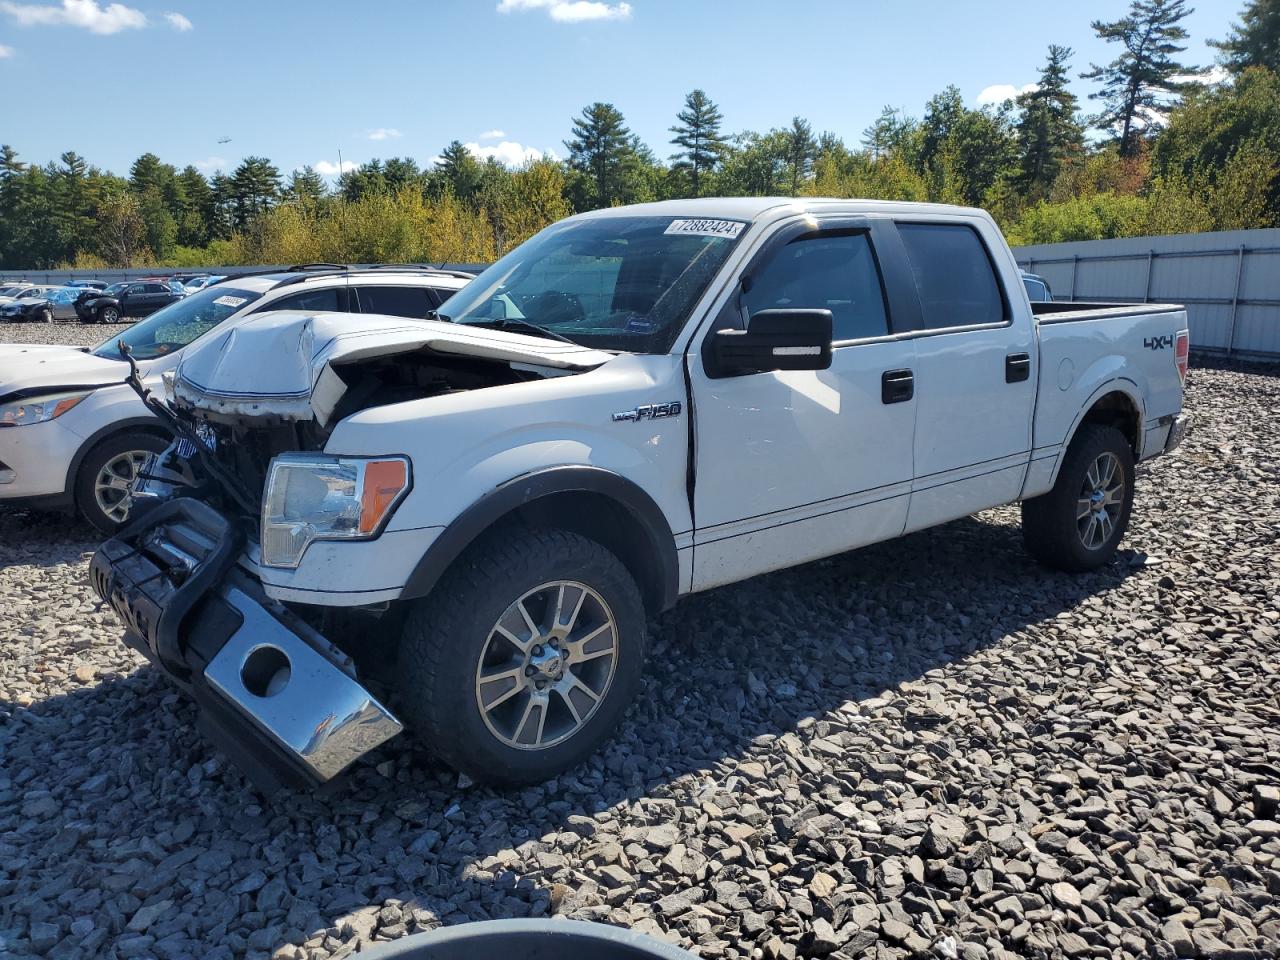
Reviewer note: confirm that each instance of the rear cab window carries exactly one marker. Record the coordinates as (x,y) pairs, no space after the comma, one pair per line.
(954,276)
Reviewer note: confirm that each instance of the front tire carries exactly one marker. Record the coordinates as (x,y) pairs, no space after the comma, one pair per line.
(1078,525)
(524,657)
(109,315)
(46,315)
(102,484)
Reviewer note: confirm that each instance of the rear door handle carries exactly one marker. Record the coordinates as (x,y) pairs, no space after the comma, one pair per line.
(1017,367)
(897,386)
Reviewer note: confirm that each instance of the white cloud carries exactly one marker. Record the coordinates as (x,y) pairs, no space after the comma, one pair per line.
(5,51)
(1214,75)
(327,168)
(86,14)
(492,135)
(385,133)
(570,11)
(1000,92)
(179,22)
(507,153)
(210,163)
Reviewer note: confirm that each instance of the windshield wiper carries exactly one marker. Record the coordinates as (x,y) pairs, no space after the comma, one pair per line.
(526,326)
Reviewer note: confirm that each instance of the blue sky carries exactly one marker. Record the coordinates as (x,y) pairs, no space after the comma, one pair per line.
(299,82)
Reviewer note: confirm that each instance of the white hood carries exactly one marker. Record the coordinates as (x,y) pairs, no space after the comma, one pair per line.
(280,363)
(34,367)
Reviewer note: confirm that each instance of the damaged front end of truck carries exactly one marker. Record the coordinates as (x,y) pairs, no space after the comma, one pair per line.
(274,693)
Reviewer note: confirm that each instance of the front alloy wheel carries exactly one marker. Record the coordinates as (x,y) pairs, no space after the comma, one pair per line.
(524,656)
(547,665)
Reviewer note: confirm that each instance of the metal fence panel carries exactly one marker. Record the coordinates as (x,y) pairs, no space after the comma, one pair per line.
(1229,281)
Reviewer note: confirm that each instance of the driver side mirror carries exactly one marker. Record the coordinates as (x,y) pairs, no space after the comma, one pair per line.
(773,340)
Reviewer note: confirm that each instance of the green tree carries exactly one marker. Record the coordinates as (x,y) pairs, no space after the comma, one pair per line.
(697,134)
(458,172)
(801,151)
(1140,82)
(599,151)
(1255,41)
(195,223)
(255,187)
(305,186)
(122,232)
(755,165)
(1048,131)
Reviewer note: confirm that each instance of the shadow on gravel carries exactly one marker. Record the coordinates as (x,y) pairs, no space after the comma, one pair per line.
(114,811)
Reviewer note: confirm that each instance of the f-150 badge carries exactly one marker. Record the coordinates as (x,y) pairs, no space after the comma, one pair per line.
(650,411)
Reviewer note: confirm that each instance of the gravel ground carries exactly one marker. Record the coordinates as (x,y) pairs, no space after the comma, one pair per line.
(930,747)
(77,334)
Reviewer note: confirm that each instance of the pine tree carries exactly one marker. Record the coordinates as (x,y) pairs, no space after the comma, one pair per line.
(305,185)
(1255,41)
(1048,131)
(255,185)
(195,224)
(1139,82)
(458,171)
(697,133)
(801,151)
(598,151)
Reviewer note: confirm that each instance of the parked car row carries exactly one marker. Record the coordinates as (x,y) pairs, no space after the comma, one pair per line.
(94,301)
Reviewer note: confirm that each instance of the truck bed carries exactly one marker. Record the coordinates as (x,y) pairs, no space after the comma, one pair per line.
(1072,311)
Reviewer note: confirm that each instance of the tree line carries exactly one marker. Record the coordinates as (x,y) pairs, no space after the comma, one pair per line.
(1171,153)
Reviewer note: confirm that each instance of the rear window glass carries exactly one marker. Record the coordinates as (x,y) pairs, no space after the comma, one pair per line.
(953,274)
(412,302)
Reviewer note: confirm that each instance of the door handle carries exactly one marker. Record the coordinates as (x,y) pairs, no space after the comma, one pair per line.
(897,386)
(1017,367)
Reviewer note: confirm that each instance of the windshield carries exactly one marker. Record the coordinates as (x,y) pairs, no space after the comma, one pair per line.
(615,283)
(173,327)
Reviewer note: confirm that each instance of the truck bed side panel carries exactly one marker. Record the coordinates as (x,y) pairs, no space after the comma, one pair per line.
(1087,353)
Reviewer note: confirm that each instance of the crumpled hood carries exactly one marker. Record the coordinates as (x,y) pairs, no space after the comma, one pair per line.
(28,367)
(279,364)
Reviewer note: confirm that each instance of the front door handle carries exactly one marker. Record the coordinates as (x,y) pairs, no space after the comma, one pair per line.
(1017,367)
(897,386)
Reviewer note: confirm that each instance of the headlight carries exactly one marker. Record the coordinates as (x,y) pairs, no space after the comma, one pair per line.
(327,498)
(38,409)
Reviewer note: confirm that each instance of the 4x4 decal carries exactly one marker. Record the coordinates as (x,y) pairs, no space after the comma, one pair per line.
(1159,343)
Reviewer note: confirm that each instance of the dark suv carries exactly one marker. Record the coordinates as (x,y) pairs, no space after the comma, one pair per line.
(132,298)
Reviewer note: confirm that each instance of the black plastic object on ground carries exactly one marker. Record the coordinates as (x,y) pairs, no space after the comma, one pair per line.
(527,940)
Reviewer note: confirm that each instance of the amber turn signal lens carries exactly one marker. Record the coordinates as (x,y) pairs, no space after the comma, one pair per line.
(383,481)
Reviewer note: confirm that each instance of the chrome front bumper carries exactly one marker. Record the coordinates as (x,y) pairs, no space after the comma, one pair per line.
(274,693)
(1177,431)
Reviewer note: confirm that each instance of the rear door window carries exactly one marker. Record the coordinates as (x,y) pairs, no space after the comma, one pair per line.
(320,301)
(954,276)
(414,302)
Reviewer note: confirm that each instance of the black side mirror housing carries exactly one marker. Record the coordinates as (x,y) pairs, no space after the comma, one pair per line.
(773,340)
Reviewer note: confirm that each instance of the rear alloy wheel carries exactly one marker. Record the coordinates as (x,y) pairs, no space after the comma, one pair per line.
(109,315)
(1078,524)
(104,484)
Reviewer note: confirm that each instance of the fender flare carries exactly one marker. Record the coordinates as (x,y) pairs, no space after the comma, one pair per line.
(534,486)
(1115,385)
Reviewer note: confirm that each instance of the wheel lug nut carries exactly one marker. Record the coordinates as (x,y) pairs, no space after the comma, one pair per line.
(537,650)
(529,671)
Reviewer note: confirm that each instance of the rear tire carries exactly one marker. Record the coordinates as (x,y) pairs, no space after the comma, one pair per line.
(1078,525)
(524,657)
(101,488)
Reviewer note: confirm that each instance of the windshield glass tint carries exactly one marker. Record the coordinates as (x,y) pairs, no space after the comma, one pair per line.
(176,325)
(615,283)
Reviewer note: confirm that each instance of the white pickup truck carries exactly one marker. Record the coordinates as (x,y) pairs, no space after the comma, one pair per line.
(636,404)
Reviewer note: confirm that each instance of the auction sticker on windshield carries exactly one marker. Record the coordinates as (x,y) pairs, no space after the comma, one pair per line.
(706,228)
(231,301)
